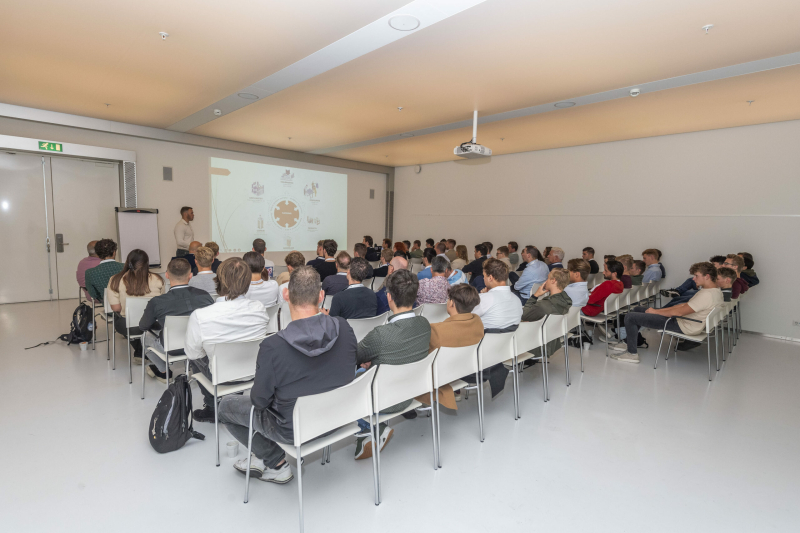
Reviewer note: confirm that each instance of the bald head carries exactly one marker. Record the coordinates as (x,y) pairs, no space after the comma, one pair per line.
(194,245)
(90,249)
(398,263)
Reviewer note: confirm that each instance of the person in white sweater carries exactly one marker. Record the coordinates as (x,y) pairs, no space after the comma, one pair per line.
(261,290)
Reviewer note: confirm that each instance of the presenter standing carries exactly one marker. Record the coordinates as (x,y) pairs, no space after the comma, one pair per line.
(184,234)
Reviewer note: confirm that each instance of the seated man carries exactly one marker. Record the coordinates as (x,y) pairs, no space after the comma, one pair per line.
(440,248)
(314,354)
(373,252)
(383,270)
(476,267)
(97,278)
(319,259)
(260,247)
(577,289)
(429,244)
(502,254)
(554,258)
(261,290)
(637,272)
(232,318)
(416,250)
(748,274)
(597,298)
(85,264)
(181,300)
(627,264)
(397,263)
(215,248)
(489,247)
(427,259)
(336,284)
(717,260)
(513,256)
(557,302)
(204,280)
(451,250)
(356,301)
(405,339)
(725,278)
(189,256)
(387,244)
(535,273)
(434,289)
(607,258)
(653,272)
(588,256)
(360,250)
(293,260)
(455,276)
(328,266)
(696,309)
(660,264)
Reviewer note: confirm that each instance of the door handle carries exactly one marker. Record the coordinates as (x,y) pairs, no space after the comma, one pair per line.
(60,244)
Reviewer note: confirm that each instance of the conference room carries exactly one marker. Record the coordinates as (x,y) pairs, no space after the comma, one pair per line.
(334,266)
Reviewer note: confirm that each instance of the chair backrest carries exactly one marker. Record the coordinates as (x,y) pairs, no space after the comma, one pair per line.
(454,363)
(416,260)
(374,264)
(435,312)
(396,383)
(134,309)
(611,304)
(326,303)
(377,283)
(634,296)
(234,361)
(534,288)
(418,310)
(317,414)
(416,268)
(624,298)
(106,304)
(362,326)
(272,315)
(554,327)
(573,317)
(175,332)
(495,348)
(528,336)
(285,315)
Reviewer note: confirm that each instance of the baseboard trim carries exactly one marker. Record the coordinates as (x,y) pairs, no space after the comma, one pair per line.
(791,339)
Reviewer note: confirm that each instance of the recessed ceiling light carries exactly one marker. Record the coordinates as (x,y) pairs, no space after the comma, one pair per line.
(707,27)
(248,96)
(565,104)
(406,135)
(163,35)
(404,22)
(400,108)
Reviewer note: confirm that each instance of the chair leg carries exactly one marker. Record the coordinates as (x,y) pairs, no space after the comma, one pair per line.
(605,324)
(249,455)
(546,371)
(566,357)
(438,433)
(580,342)
(94,328)
(216,423)
(143,365)
(113,348)
(659,349)
(514,371)
(433,432)
(708,342)
(374,467)
(377,452)
(716,347)
(130,359)
(108,342)
(300,485)
(479,375)
(671,338)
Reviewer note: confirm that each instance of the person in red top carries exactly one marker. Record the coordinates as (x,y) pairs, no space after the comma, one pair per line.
(737,263)
(597,298)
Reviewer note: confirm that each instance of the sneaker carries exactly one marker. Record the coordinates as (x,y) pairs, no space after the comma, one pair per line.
(158,375)
(363,447)
(626,357)
(423,411)
(206,414)
(385,434)
(670,293)
(280,475)
(618,348)
(410,415)
(137,360)
(257,466)
(457,394)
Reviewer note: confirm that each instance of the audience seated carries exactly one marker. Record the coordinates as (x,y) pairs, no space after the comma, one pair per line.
(189,256)
(577,289)
(387,244)
(356,301)
(660,265)
(427,257)
(613,285)
(215,248)
(588,256)
(696,309)
(434,289)
(653,271)
(627,264)
(546,255)
(383,270)
(405,339)
(607,258)
(637,272)
(314,354)
(360,250)
(397,263)
(475,268)
(461,259)
(97,278)
(535,272)
(181,300)
(400,249)
(554,258)
(513,256)
(320,259)
(259,247)
(717,260)
(536,254)
(261,290)
(736,262)
(748,274)
(328,266)
(336,284)
(373,252)
(725,278)
(204,280)
(416,250)
(489,247)
(450,246)
(455,276)
(557,302)
(85,264)
(134,280)
(232,318)
(429,243)
(441,248)
(293,260)
(502,254)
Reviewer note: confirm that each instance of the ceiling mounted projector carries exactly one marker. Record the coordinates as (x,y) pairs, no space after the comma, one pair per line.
(471,149)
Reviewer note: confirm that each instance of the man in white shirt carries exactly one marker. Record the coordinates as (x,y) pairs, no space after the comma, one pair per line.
(184,234)
(259,247)
(577,288)
(204,258)
(499,307)
(534,274)
(232,318)
(261,290)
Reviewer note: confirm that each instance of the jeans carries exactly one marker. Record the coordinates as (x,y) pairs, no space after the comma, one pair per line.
(150,340)
(685,297)
(234,412)
(687,285)
(181,253)
(639,319)
(201,366)
(119,327)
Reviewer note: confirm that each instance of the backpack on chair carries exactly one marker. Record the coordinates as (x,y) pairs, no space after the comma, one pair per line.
(80,330)
(171,423)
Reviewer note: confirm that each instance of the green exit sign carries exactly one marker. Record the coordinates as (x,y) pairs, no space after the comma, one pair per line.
(51,147)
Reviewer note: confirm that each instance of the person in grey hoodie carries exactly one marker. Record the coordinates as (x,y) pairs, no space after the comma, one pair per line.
(315,353)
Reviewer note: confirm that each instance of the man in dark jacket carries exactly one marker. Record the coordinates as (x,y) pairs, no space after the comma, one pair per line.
(557,302)
(181,300)
(328,266)
(356,300)
(373,252)
(316,353)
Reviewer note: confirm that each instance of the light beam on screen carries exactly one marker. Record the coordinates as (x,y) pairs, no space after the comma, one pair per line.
(290,208)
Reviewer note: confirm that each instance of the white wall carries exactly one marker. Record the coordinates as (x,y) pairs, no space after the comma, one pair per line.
(691,196)
(190,185)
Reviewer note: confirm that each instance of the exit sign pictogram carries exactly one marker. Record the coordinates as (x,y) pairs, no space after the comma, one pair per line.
(51,147)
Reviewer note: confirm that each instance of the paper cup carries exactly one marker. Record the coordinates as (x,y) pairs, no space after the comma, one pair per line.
(233,448)
(84,346)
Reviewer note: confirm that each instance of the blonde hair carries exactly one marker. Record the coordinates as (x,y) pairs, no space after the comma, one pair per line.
(626,260)
(214,247)
(461,252)
(561,276)
(204,256)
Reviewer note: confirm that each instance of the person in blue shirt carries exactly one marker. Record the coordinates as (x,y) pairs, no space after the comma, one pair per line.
(653,271)
(427,258)
(535,272)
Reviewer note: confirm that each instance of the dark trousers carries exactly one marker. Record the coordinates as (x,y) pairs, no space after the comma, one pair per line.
(181,253)
(119,327)
(637,319)
(234,412)
(200,366)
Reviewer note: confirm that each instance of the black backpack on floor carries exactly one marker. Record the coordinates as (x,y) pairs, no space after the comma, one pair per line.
(80,330)
(171,423)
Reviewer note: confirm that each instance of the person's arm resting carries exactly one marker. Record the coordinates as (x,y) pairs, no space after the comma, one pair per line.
(193,343)
(368,348)
(678,310)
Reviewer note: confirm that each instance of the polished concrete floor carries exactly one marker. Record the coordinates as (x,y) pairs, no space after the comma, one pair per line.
(625,448)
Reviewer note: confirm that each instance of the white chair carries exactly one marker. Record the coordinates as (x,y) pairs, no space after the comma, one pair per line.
(134,309)
(375,264)
(326,303)
(711,322)
(232,367)
(174,338)
(435,312)
(362,326)
(416,261)
(418,310)
(416,268)
(635,295)
(112,339)
(527,337)
(450,365)
(284,316)
(495,348)
(377,283)
(574,321)
(321,420)
(272,315)
(610,305)
(554,326)
(395,384)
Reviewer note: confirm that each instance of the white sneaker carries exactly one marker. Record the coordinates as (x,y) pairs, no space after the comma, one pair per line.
(282,474)
(386,434)
(626,357)
(257,466)
(618,348)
